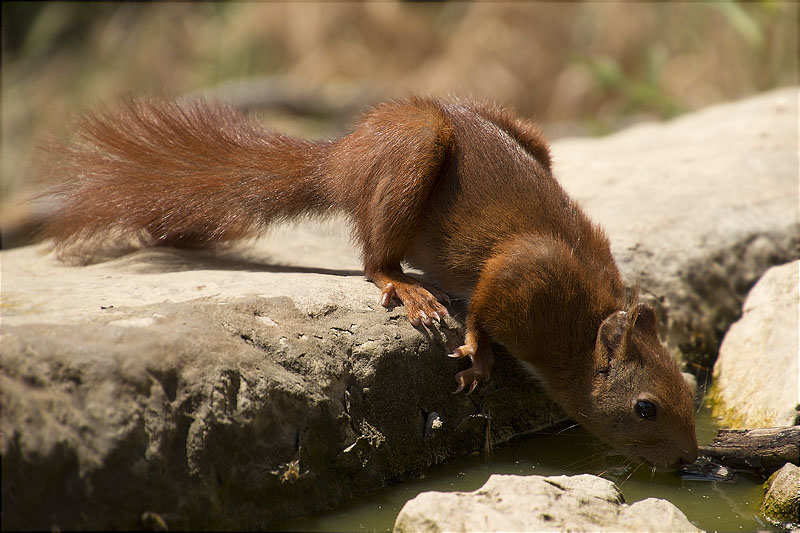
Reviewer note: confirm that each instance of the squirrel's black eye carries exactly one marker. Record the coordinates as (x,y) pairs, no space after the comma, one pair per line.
(645,409)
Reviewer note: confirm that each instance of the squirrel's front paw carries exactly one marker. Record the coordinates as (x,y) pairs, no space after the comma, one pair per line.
(482,362)
(472,377)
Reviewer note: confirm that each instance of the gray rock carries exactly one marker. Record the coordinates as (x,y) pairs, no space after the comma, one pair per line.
(536,503)
(126,394)
(236,390)
(781,506)
(756,374)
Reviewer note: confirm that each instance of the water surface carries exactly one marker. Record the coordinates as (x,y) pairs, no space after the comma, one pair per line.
(712,506)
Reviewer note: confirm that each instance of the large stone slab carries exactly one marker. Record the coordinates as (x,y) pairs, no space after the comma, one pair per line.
(537,503)
(236,390)
(756,377)
(235,405)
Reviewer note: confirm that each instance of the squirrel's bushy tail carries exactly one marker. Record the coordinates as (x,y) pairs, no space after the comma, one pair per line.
(185,174)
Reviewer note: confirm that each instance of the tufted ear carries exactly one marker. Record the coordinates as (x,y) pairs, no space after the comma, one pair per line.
(645,320)
(612,336)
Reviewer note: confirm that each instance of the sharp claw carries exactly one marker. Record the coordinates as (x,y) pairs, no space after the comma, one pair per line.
(473,387)
(436,317)
(425,318)
(388,294)
(460,387)
(458,353)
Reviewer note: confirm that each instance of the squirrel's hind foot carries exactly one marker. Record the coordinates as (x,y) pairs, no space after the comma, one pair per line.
(423,305)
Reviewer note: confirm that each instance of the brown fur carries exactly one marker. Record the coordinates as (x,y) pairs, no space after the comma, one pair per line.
(462,190)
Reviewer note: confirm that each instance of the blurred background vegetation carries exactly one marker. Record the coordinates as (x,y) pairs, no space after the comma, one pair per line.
(309,68)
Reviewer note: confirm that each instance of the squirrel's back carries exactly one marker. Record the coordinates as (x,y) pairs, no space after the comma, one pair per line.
(497,185)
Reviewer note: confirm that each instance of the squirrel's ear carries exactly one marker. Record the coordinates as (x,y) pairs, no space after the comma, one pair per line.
(611,339)
(645,320)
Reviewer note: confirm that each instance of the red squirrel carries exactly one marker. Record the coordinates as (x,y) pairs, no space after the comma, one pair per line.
(464,191)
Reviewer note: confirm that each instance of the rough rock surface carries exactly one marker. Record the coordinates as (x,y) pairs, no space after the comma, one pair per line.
(236,390)
(537,503)
(756,374)
(781,506)
(236,406)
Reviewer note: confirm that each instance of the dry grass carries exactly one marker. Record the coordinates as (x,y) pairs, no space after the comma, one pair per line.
(584,68)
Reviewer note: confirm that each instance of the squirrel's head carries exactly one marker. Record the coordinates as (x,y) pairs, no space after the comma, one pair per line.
(638,400)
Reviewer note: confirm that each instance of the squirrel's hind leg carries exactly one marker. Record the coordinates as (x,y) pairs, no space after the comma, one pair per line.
(386,171)
(423,303)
